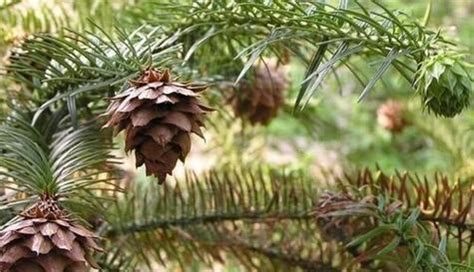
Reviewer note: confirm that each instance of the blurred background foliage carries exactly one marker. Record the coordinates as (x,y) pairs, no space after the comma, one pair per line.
(331,136)
(350,129)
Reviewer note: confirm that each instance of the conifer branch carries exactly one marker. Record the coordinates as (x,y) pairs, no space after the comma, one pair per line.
(51,158)
(371,202)
(208,32)
(205,219)
(259,195)
(219,212)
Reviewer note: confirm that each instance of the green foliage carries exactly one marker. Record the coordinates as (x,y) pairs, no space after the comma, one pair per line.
(51,159)
(403,219)
(255,215)
(339,32)
(260,217)
(79,68)
(222,30)
(451,143)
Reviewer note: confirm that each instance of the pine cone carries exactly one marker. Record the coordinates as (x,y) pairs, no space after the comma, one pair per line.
(259,100)
(333,228)
(390,116)
(158,116)
(444,84)
(45,240)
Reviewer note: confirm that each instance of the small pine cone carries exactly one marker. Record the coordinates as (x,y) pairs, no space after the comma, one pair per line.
(158,116)
(259,100)
(390,116)
(444,84)
(45,240)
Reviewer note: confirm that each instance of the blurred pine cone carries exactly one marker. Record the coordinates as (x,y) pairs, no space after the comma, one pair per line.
(46,240)
(444,84)
(158,116)
(333,228)
(390,116)
(15,50)
(258,100)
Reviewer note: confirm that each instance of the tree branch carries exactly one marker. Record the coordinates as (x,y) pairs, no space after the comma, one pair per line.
(205,219)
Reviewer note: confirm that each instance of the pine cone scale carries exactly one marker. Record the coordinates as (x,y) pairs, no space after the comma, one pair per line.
(39,244)
(150,149)
(27,230)
(165,99)
(179,120)
(161,134)
(19,225)
(149,94)
(184,142)
(8,237)
(54,262)
(63,239)
(14,254)
(76,253)
(144,116)
(188,107)
(129,105)
(48,229)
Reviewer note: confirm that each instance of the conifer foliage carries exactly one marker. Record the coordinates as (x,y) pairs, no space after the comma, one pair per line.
(159,72)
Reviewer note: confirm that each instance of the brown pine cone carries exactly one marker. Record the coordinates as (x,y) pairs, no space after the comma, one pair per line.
(259,100)
(158,115)
(45,240)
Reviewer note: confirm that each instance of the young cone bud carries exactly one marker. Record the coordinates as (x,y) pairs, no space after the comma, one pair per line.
(444,84)
(45,240)
(158,116)
(258,100)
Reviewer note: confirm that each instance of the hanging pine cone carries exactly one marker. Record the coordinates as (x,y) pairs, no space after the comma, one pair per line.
(45,240)
(258,100)
(390,116)
(158,116)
